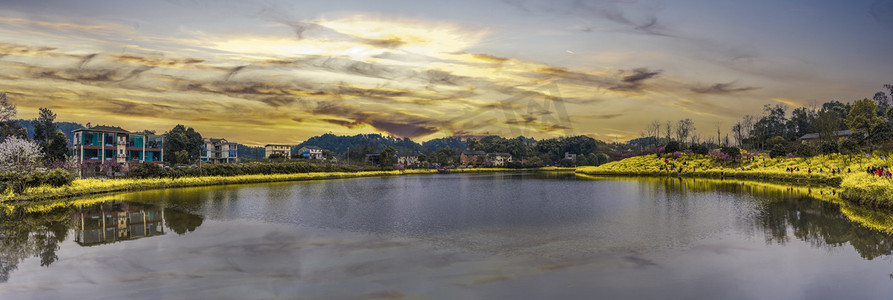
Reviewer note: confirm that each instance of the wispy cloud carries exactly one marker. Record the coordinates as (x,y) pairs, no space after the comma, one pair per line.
(722,88)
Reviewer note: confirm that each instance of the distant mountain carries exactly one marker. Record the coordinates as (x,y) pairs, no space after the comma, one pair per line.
(448,142)
(339,144)
(65,127)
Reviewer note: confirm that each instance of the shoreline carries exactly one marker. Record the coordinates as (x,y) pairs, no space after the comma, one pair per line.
(855,186)
(98,187)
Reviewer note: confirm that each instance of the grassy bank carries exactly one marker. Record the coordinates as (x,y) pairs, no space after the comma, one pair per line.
(84,187)
(855,184)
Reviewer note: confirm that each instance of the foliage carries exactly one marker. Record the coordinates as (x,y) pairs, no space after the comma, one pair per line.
(863,117)
(732,152)
(805,150)
(388,157)
(672,146)
(44,128)
(18,159)
(182,139)
(699,149)
(57,149)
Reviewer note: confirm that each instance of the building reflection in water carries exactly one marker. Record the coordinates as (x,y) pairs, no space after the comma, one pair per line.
(115,221)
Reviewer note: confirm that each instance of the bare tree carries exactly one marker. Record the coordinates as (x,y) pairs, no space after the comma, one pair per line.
(669,129)
(653,132)
(747,127)
(684,129)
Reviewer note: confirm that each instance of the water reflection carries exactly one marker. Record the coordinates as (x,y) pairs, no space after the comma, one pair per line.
(112,222)
(40,234)
(786,212)
(513,214)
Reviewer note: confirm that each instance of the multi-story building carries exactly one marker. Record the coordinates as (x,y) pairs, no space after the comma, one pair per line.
(499,159)
(283,150)
(472,158)
(311,152)
(408,160)
(111,143)
(219,151)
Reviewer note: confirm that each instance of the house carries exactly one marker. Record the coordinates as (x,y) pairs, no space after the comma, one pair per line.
(408,159)
(472,158)
(312,152)
(219,151)
(280,149)
(571,156)
(112,143)
(499,159)
(814,137)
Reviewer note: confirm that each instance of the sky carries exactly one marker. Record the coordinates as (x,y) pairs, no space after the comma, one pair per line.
(260,72)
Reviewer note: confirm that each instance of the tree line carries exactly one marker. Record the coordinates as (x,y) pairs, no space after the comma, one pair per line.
(865,124)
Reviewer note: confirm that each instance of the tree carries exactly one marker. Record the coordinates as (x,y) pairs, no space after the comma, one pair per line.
(863,118)
(827,123)
(18,159)
(7,110)
(800,123)
(805,150)
(883,103)
(387,157)
(44,127)
(8,127)
(444,156)
(58,148)
(672,146)
(179,139)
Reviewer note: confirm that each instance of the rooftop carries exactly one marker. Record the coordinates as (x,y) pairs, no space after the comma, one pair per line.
(103,128)
(811,136)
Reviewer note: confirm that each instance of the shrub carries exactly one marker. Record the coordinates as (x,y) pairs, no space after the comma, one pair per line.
(778,150)
(699,149)
(805,150)
(57,178)
(672,146)
(732,152)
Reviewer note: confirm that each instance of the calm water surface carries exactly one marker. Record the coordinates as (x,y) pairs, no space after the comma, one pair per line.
(518,236)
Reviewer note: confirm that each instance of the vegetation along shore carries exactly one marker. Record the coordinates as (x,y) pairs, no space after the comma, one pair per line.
(847,174)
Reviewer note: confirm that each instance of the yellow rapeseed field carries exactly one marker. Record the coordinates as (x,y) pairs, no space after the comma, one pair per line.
(854,181)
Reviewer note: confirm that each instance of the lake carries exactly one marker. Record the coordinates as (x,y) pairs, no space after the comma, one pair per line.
(456,236)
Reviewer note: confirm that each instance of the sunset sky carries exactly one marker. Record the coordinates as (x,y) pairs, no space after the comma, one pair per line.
(258,72)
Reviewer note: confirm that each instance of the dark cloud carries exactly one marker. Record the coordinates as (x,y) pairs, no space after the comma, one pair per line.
(232,72)
(722,88)
(87,58)
(410,130)
(607,116)
(344,123)
(394,123)
(608,10)
(156,60)
(633,82)
(383,43)
(278,101)
(444,78)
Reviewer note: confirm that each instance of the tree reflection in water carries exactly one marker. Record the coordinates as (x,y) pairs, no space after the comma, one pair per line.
(39,234)
(783,209)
